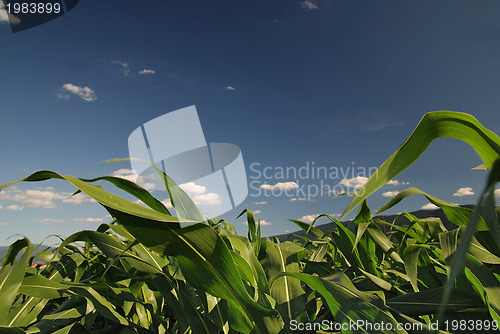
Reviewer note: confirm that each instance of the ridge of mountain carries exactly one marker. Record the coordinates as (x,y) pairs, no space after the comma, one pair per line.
(438,213)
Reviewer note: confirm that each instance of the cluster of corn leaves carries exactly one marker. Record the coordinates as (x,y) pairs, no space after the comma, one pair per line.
(145,272)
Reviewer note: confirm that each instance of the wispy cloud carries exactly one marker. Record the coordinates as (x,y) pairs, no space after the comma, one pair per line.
(309,5)
(131,175)
(3,224)
(168,203)
(390,193)
(123,66)
(280,186)
(259,203)
(262,222)
(229,88)
(40,198)
(308,218)
(14,207)
(466,191)
(355,182)
(51,220)
(297,199)
(370,127)
(396,183)
(78,199)
(199,194)
(430,206)
(145,71)
(85,93)
(89,220)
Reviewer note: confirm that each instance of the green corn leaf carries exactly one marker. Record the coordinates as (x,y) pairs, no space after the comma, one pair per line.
(460,255)
(287,291)
(254,234)
(410,257)
(206,263)
(11,277)
(242,246)
(11,330)
(103,306)
(100,195)
(485,283)
(383,242)
(41,287)
(432,126)
(347,304)
(135,190)
(456,214)
(428,302)
(182,203)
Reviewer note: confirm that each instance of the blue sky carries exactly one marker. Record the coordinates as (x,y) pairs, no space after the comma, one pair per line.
(337,84)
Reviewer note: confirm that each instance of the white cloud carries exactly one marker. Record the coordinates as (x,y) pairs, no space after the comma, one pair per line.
(125,173)
(130,174)
(396,183)
(308,218)
(256,212)
(78,199)
(38,198)
(51,220)
(41,198)
(89,220)
(14,207)
(430,206)
(262,222)
(167,203)
(356,182)
(3,224)
(309,4)
(466,191)
(297,199)
(390,193)
(199,195)
(259,203)
(124,66)
(145,71)
(280,186)
(85,93)
(229,88)
(63,96)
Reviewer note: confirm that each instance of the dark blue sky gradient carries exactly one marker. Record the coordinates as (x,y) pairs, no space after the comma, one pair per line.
(346,82)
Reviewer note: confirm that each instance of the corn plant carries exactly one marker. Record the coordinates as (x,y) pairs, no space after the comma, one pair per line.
(146,271)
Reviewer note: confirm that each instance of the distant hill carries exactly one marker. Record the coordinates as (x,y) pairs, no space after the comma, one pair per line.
(388,218)
(4,249)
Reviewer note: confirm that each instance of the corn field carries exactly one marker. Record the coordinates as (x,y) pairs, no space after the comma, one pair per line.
(144,272)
